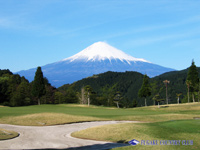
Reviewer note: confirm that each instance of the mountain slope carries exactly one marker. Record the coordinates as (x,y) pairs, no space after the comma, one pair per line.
(97,58)
(106,85)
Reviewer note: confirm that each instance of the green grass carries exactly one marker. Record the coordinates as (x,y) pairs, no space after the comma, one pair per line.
(146,114)
(172,122)
(46,119)
(6,134)
(170,130)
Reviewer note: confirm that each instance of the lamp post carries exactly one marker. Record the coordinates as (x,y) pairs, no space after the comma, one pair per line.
(166,82)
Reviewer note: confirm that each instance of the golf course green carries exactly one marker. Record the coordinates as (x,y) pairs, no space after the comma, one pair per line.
(165,124)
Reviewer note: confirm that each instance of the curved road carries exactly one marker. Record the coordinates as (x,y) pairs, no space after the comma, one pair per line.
(56,137)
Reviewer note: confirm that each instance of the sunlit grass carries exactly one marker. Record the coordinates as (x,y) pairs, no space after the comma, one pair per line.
(158,117)
(6,134)
(169,122)
(170,130)
(32,114)
(45,119)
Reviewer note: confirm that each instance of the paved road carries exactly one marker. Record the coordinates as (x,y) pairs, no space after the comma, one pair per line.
(55,137)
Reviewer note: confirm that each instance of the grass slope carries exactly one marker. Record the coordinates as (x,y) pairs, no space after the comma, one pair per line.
(6,134)
(170,130)
(167,123)
(22,115)
(46,119)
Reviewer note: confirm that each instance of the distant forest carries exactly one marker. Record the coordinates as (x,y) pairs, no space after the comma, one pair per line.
(106,89)
(17,91)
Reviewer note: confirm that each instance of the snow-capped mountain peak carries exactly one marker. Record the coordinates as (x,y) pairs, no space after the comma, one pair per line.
(97,58)
(102,51)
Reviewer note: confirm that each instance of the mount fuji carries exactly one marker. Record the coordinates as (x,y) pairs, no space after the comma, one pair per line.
(98,58)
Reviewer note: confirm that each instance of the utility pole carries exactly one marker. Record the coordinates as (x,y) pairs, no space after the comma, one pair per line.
(166,82)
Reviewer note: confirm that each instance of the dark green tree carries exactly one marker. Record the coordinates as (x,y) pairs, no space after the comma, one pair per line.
(38,86)
(23,93)
(135,103)
(59,97)
(145,90)
(158,99)
(71,96)
(193,77)
(48,98)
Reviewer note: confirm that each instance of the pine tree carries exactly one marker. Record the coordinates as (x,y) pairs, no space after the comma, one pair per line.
(38,87)
(193,77)
(145,90)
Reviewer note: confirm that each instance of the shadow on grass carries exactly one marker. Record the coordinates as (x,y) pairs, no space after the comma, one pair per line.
(164,106)
(106,146)
(122,141)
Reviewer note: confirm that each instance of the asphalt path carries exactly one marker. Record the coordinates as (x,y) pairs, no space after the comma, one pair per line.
(56,137)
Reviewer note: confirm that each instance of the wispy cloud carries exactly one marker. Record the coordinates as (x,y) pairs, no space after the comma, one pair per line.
(176,38)
(5,23)
(191,20)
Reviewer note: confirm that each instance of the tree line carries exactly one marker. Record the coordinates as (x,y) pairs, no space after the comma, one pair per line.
(18,91)
(192,82)
(128,89)
(131,89)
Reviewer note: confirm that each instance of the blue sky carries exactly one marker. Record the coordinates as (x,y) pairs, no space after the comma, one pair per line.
(38,32)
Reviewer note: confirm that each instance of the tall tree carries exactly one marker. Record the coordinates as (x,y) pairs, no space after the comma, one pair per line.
(88,88)
(82,98)
(38,87)
(145,90)
(166,82)
(178,97)
(193,77)
(117,98)
(188,83)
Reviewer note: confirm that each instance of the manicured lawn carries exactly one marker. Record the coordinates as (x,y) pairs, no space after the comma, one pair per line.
(172,122)
(6,134)
(170,130)
(82,113)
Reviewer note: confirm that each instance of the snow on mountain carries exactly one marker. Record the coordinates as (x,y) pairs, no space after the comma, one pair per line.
(101,51)
(97,58)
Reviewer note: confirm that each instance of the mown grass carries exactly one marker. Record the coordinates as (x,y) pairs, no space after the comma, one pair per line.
(170,130)
(6,134)
(164,121)
(46,119)
(146,114)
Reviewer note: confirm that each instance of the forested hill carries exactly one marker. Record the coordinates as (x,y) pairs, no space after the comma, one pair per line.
(102,89)
(106,85)
(129,83)
(116,80)
(16,90)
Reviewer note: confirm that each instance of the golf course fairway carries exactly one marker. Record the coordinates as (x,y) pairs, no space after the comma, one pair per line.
(167,123)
